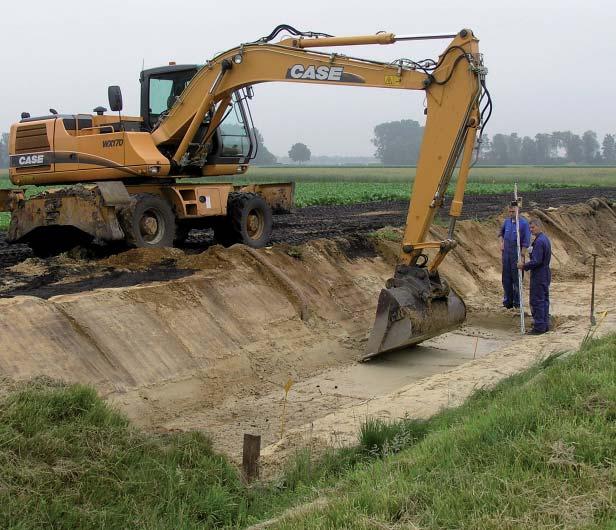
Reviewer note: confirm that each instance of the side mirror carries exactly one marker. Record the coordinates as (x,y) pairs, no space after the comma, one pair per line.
(115,98)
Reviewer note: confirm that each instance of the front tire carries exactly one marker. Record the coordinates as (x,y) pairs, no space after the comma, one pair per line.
(249,221)
(149,222)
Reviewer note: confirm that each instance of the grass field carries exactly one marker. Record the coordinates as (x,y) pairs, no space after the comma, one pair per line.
(537,451)
(547,175)
(344,185)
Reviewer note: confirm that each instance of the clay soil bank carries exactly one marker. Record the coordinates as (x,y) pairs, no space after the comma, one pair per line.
(208,340)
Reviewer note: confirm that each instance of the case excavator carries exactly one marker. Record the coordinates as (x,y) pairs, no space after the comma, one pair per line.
(129,177)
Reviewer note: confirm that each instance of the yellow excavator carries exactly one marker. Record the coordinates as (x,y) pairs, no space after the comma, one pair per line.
(127,177)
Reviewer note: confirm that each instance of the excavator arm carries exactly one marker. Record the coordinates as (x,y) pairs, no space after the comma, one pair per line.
(416,304)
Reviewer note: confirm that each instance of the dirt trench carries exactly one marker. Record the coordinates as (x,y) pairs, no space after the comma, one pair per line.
(212,346)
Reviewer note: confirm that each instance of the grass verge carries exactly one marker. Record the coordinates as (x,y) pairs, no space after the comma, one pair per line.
(537,451)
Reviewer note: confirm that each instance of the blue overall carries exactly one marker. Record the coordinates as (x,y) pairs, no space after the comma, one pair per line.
(540,277)
(510,259)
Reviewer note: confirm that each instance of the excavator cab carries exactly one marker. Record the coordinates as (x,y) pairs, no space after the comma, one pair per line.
(234,141)
(160,88)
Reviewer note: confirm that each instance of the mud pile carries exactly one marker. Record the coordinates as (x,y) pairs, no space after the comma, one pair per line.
(209,348)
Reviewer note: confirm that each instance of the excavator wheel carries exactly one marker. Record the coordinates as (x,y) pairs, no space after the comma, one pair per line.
(149,222)
(249,221)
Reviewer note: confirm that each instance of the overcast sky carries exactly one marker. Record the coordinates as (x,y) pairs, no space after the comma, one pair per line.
(550,67)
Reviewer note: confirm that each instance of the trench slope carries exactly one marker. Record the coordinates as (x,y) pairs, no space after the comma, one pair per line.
(229,336)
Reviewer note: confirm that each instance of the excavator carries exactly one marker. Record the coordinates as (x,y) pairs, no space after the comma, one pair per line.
(149,179)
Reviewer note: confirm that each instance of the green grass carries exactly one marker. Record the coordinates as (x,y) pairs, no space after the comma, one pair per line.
(537,451)
(552,175)
(350,192)
(5,219)
(67,460)
(389,234)
(347,185)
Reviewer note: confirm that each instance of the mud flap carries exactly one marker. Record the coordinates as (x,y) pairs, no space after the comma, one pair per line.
(415,306)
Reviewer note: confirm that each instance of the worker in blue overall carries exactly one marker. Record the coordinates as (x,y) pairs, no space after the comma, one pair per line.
(509,249)
(540,277)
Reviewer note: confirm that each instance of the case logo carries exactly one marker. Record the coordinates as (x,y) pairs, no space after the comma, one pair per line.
(30,160)
(322,73)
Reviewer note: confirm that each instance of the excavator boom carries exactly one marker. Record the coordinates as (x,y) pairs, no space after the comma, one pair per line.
(416,303)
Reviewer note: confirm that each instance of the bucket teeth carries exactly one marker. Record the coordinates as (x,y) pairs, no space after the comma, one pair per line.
(416,305)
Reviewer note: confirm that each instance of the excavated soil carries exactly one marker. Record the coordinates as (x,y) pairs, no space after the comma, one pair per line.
(180,339)
(314,222)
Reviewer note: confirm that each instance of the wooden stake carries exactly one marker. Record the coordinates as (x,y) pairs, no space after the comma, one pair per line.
(286,387)
(250,457)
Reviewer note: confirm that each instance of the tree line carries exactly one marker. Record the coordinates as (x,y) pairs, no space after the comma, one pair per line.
(558,147)
(398,142)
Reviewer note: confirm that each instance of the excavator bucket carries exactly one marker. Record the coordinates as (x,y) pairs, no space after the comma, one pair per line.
(415,305)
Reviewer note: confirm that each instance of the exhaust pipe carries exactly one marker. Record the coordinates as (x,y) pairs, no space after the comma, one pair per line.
(416,305)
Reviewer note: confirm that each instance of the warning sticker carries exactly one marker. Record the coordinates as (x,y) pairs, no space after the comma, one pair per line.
(393,80)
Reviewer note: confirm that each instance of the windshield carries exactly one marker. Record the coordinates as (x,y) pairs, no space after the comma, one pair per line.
(164,90)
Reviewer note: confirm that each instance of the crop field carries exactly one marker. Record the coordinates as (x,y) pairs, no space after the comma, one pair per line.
(553,176)
(347,185)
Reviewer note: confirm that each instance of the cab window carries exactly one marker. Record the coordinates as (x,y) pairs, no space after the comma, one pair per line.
(164,89)
(234,133)
(160,90)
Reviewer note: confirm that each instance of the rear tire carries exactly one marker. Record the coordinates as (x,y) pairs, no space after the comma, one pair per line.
(249,221)
(149,222)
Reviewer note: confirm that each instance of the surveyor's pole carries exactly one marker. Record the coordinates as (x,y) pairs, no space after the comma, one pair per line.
(593,321)
(517,232)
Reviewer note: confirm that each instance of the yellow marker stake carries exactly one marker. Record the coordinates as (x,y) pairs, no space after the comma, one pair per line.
(286,387)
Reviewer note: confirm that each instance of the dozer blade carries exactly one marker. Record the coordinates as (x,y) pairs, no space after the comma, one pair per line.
(415,306)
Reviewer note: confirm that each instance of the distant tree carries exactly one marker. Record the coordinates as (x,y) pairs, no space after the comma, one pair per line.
(544,148)
(264,156)
(500,149)
(590,146)
(4,150)
(514,148)
(556,145)
(398,142)
(575,148)
(609,148)
(528,151)
(572,145)
(299,153)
